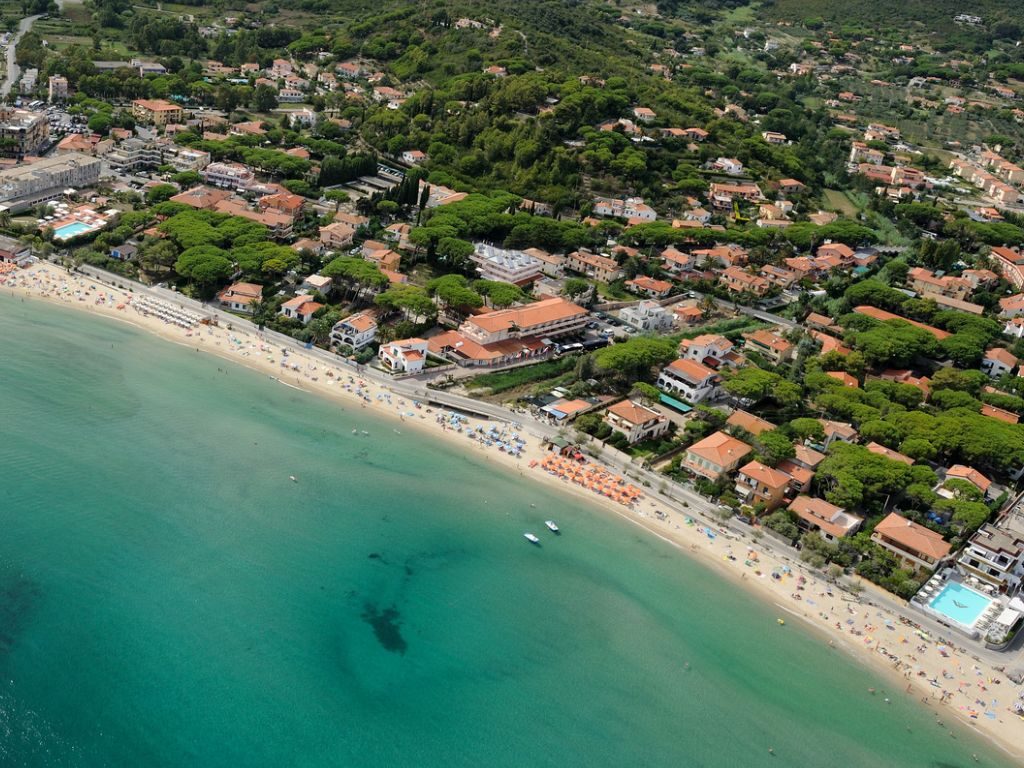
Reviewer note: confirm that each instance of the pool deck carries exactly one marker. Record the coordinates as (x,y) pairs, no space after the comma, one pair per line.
(924,600)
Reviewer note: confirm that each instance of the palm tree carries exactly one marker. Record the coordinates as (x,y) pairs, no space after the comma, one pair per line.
(261,312)
(707,305)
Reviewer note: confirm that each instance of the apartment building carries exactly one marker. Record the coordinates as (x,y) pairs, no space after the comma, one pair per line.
(133,155)
(157,112)
(57,88)
(506,266)
(22,131)
(995,553)
(234,175)
(630,208)
(23,186)
(596,266)
(549,318)
(757,483)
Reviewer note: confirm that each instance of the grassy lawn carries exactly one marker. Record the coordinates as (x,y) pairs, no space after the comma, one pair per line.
(615,292)
(77,12)
(838,200)
(503,381)
(60,42)
(732,325)
(741,15)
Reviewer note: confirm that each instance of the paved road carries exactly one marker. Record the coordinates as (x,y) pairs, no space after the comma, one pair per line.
(13,70)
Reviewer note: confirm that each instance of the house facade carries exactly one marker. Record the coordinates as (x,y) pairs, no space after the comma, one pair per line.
(913,545)
(239,296)
(355,331)
(403,356)
(637,422)
(757,483)
(716,455)
(690,380)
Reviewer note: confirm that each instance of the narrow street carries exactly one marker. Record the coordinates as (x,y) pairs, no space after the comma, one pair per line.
(13,71)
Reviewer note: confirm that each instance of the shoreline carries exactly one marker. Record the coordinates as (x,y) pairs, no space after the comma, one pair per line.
(870,634)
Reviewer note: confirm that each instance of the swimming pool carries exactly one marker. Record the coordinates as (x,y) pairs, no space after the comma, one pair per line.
(73,229)
(961,604)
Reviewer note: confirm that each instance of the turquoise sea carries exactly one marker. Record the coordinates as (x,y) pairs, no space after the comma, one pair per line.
(168,597)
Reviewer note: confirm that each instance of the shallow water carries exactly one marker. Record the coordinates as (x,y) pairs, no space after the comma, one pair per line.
(169,597)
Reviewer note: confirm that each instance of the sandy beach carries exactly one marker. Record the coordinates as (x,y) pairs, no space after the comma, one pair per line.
(944,676)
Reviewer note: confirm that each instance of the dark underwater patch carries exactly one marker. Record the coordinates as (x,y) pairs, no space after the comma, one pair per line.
(18,596)
(387,627)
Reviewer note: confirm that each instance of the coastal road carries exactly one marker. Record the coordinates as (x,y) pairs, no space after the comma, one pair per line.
(13,70)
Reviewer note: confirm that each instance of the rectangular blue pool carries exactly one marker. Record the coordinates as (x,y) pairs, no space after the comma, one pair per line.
(961,604)
(69,231)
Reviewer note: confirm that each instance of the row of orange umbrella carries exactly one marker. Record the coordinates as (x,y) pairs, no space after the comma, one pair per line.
(592,476)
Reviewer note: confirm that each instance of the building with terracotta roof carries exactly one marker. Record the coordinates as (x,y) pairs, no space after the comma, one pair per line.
(637,422)
(648,286)
(403,355)
(593,265)
(1011,306)
(157,112)
(238,296)
(546,319)
(337,235)
(881,450)
(738,280)
(881,314)
(356,331)
(690,380)
(929,284)
(716,455)
(998,361)
(630,208)
(707,348)
(749,422)
(912,544)
(1010,264)
(968,474)
(844,378)
(757,483)
(89,144)
(300,308)
(688,314)
(838,431)
(830,521)
(840,251)
(202,198)
(769,345)
(781,277)
(999,414)
(676,261)
(283,202)
(279,224)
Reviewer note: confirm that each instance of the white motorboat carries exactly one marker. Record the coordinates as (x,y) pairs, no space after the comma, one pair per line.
(551,526)
(531,538)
